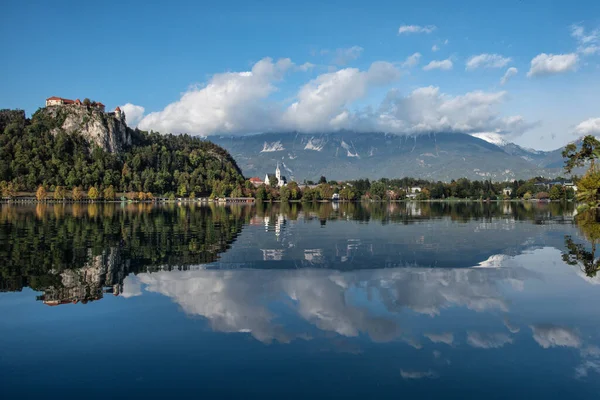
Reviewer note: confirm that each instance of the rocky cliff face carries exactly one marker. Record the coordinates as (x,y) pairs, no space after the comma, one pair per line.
(106,130)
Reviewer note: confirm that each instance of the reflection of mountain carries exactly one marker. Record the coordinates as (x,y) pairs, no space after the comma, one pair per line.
(239,301)
(79,252)
(439,235)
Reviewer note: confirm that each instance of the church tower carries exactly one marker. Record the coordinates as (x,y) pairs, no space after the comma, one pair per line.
(278,175)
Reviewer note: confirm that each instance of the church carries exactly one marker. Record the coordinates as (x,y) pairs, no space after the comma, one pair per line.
(281,180)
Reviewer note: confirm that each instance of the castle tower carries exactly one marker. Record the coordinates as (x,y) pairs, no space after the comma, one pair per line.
(118,112)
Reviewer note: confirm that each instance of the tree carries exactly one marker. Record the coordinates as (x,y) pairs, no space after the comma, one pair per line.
(556,192)
(261,193)
(41,194)
(589,151)
(8,189)
(322,179)
(109,193)
(294,190)
(87,102)
(60,193)
(527,196)
(378,190)
(77,193)
(192,195)
(284,194)
(588,191)
(93,193)
(182,190)
(273,182)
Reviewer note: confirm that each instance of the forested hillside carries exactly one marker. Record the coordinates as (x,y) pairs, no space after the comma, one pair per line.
(40,152)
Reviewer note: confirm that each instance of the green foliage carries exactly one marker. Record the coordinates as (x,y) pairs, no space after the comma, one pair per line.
(557,192)
(38,152)
(284,194)
(527,196)
(588,151)
(273,181)
(261,193)
(588,190)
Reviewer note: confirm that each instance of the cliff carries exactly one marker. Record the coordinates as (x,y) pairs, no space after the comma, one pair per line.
(73,146)
(106,130)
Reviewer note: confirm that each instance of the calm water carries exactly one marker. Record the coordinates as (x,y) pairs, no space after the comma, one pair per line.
(377,301)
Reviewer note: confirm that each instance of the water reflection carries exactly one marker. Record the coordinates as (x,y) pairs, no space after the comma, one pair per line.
(435,284)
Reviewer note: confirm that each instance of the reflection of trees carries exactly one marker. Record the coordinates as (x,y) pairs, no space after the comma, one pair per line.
(43,244)
(588,223)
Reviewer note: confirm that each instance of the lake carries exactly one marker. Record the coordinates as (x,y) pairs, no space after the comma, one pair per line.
(401,300)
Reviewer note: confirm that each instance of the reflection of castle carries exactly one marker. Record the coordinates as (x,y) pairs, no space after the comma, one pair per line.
(103,274)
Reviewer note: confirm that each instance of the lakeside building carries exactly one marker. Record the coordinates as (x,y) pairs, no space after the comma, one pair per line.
(281,180)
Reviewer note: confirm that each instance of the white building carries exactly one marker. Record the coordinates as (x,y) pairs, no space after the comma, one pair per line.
(281,180)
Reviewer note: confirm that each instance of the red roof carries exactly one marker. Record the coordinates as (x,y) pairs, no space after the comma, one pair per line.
(53,98)
(255,180)
(100,104)
(118,108)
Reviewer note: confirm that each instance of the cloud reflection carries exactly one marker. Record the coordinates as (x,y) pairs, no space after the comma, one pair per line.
(331,301)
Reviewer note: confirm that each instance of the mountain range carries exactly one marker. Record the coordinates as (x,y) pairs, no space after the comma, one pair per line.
(348,155)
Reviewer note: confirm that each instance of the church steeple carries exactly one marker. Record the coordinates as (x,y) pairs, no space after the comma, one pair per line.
(278,173)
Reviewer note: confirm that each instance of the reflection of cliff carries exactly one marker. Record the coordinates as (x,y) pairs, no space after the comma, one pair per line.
(75,252)
(103,274)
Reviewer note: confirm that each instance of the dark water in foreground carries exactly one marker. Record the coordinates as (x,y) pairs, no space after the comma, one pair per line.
(325,301)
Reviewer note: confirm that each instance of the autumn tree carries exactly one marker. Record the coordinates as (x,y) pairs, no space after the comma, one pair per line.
(109,193)
(93,193)
(77,193)
(60,193)
(41,193)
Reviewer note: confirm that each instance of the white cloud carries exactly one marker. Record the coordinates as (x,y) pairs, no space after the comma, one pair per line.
(488,340)
(441,64)
(555,336)
(590,126)
(435,47)
(446,338)
(322,102)
(241,103)
(404,29)
(230,102)
(512,71)
(412,60)
(426,109)
(133,114)
(305,67)
(486,60)
(549,64)
(588,43)
(344,56)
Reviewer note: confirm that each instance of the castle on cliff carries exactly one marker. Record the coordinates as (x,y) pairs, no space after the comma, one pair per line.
(59,101)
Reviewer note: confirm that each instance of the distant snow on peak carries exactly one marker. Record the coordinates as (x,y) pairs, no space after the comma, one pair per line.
(271,147)
(491,137)
(347,147)
(315,144)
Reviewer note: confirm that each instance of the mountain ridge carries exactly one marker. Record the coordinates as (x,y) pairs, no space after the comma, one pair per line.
(345,155)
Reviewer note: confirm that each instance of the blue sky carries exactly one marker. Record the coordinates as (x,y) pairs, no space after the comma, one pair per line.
(239,67)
